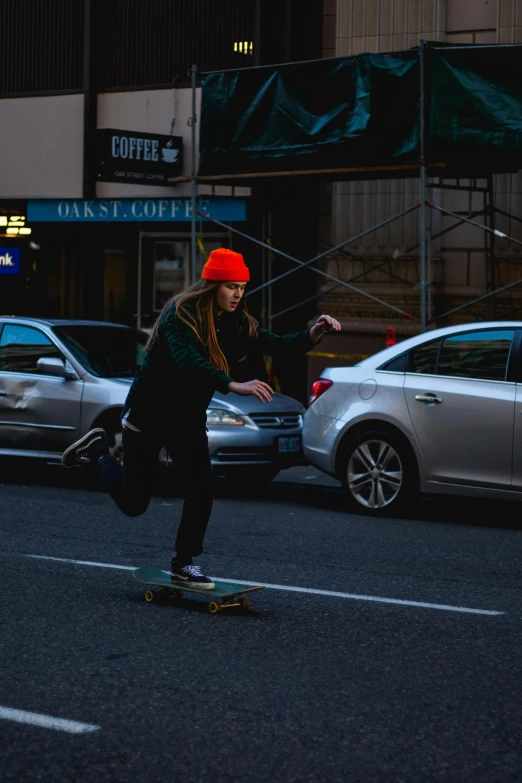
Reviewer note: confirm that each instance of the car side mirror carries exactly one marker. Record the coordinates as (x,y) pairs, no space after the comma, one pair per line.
(48,366)
(56,367)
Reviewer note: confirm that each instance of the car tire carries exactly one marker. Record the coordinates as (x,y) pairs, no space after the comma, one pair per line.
(379,473)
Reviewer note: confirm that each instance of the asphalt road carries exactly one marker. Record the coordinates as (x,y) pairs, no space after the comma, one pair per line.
(395,655)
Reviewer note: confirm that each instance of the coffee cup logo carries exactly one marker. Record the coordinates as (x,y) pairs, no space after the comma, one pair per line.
(168,154)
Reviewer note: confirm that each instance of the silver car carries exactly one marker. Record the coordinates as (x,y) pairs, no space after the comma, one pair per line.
(437,413)
(58,379)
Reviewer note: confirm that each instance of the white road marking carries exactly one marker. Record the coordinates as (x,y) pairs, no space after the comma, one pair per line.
(46,721)
(82,562)
(290,589)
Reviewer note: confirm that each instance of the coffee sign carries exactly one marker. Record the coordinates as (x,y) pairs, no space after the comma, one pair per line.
(141,158)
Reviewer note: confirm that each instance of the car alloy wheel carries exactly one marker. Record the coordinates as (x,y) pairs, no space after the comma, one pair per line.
(379,473)
(375,474)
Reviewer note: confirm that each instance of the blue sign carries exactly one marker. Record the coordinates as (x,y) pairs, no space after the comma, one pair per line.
(9,260)
(139,210)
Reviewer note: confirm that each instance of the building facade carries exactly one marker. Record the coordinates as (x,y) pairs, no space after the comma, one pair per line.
(464,264)
(97,116)
(87,85)
(96,110)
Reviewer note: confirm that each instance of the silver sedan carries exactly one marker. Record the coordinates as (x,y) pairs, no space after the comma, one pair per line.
(439,413)
(59,379)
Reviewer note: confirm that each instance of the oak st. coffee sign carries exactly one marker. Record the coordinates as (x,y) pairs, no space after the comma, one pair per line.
(139,210)
(142,158)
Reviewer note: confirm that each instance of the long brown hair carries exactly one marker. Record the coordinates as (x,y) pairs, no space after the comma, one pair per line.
(200,318)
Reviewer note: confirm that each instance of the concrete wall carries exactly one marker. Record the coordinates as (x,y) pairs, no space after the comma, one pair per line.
(348,208)
(41,147)
(41,142)
(387,25)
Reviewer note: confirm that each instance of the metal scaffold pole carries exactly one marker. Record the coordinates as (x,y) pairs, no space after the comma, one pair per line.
(491,277)
(422,285)
(429,296)
(193,181)
(422,194)
(264,261)
(269,227)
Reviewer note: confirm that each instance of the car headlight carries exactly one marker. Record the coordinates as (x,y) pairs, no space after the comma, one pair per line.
(218,416)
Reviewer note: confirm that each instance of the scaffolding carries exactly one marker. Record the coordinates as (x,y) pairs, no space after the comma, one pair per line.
(430,176)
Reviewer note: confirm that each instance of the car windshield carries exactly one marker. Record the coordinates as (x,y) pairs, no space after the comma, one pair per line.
(105,351)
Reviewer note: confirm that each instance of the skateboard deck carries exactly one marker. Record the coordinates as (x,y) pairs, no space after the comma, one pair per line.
(224,594)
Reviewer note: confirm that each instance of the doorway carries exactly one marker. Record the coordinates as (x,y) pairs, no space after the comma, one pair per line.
(115,286)
(164,264)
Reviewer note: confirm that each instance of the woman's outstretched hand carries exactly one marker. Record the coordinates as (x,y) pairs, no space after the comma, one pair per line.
(325,323)
(258,389)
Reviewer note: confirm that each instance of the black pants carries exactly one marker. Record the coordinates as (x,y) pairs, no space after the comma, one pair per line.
(130,485)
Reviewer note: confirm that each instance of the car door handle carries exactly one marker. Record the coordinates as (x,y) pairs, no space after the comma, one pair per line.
(3,393)
(427,398)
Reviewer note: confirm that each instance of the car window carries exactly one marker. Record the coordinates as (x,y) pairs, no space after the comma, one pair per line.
(399,364)
(105,351)
(483,355)
(423,359)
(22,346)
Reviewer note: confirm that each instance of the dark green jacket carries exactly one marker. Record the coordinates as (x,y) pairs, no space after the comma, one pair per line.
(174,386)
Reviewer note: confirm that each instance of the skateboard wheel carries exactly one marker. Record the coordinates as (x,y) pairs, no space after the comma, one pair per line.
(150,595)
(244,603)
(214,607)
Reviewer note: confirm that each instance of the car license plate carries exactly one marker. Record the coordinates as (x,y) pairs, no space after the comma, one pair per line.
(290,444)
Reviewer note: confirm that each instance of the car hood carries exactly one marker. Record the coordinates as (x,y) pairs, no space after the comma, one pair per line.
(236,403)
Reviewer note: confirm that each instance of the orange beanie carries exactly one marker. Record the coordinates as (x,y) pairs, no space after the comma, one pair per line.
(224,264)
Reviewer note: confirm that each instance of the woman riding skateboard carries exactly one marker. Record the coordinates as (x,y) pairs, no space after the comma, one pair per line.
(199,344)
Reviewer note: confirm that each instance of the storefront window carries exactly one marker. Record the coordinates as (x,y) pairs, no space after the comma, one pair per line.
(171,270)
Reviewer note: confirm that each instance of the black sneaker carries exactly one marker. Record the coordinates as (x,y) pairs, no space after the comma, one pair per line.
(87,450)
(190,576)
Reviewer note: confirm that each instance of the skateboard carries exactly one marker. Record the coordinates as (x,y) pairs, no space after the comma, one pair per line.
(223,596)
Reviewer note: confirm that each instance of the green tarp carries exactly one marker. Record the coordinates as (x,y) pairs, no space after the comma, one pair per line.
(364,111)
(323,114)
(475,105)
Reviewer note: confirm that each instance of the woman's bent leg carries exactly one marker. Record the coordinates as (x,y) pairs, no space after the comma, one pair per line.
(130,484)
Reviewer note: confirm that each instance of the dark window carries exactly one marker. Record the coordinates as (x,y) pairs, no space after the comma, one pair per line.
(396,365)
(135,43)
(22,346)
(105,351)
(152,42)
(423,359)
(482,355)
(41,46)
